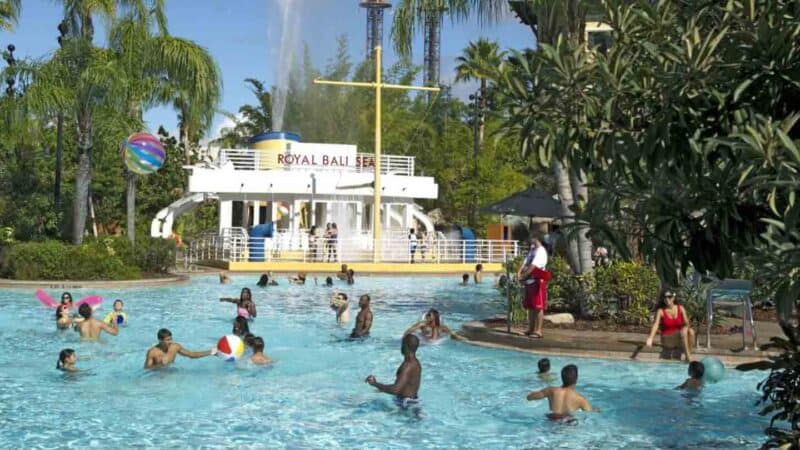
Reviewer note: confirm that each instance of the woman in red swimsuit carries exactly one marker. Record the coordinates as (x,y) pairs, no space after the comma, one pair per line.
(673,321)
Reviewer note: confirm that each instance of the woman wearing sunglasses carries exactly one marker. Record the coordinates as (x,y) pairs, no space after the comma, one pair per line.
(673,322)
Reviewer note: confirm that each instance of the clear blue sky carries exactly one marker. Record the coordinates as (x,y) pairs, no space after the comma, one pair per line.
(244,37)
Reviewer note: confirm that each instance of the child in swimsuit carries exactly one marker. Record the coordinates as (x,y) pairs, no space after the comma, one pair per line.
(66,360)
(695,380)
(544,371)
(117,316)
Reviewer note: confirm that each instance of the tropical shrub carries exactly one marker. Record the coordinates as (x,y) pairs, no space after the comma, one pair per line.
(626,292)
(55,260)
(780,390)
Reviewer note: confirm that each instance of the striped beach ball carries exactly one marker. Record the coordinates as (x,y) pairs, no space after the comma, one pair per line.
(230,347)
(143,153)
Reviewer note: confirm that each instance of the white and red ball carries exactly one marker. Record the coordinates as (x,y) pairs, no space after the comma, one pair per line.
(230,347)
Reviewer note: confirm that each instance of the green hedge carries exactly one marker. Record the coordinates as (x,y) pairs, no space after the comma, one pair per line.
(109,258)
(624,292)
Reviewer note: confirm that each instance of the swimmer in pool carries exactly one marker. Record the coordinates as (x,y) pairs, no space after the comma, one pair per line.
(408,377)
(117,316)
(258,356)
(478,277)
(351,276)
(63,319)
(266,280)
(342,275)
(246,307)
(298,279)
(340,304)
(695,380)
(328,282)
(544,370)
(431,328)
(165,352)
(364,318)
(66,360)
(90,328)
(240,327)
(66,299)
(464,280)
(224,278)
(563,400)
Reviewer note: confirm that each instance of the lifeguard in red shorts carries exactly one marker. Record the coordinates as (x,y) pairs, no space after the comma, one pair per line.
(534,277)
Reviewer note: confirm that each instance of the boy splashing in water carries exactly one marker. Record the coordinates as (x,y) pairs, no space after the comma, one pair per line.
(563,400)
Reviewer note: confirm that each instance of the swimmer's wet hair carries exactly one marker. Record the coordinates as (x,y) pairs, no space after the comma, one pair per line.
(163,334)
(328,281)
(569,375)
(465,277)
(62,357)
(85,311)
(258,344)
(120,302)
(544,365)
(479,267)
(696,369)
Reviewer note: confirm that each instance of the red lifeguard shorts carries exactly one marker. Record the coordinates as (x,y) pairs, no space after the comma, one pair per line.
(535,296)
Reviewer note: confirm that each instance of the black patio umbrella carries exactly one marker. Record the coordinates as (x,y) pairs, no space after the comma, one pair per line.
(528,203)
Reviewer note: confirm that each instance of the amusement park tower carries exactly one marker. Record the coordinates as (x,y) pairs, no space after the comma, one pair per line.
(374,23)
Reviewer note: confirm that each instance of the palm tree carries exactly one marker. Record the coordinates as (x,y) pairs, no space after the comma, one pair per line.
(9,11)
(162,69)
(411,15)
(549,20)
(255,119)
(479,61)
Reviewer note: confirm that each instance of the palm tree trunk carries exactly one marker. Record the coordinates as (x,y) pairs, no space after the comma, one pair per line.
(187,147)
(59,154)
(433,38)
(564,189)
(130,205)
(581,193)
(83,177)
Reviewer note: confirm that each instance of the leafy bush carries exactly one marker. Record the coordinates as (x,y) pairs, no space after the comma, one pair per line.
(150,255)
(626,292)
(55,260)
(780,389)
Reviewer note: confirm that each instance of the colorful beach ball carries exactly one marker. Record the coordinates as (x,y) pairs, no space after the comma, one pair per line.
(230,347)
(143,153)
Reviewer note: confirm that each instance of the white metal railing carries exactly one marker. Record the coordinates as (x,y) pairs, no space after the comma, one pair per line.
(284,247)
(251,159)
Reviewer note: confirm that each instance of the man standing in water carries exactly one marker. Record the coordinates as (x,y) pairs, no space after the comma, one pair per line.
(408,377)
(563,400)
(164,353)
(90,328)
(364,318)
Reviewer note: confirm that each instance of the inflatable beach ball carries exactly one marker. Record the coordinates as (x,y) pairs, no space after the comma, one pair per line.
(143,153)
(230,347)
(714,369)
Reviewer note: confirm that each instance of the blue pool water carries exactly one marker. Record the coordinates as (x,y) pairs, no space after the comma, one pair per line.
(315,395)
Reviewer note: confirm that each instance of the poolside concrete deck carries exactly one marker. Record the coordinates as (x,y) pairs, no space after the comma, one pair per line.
(608,344)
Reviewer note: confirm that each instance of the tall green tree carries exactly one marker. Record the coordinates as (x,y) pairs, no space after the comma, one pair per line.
(159,69)
(255,119)
(480,61)
(412,15)
(553,21)
(9,12)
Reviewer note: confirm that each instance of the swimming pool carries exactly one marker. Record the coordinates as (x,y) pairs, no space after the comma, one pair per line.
(315,395)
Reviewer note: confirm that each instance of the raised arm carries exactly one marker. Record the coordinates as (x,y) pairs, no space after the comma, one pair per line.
(654,329)
(416,327)
(230,300)
(538,395)
(190,354)
(402,380)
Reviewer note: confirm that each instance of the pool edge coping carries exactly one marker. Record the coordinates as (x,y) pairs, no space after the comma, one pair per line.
(173,280)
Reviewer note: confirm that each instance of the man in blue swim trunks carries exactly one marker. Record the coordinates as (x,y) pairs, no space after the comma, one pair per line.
(409,374)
